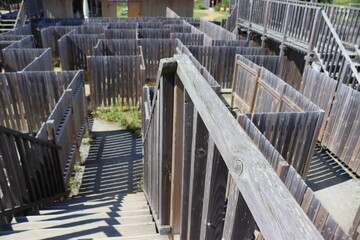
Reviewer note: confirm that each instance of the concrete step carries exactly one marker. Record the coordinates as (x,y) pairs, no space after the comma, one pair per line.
(84,216)
(76,222)
(82,232)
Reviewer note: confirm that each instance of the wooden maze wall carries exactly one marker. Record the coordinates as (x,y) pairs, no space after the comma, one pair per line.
(341,127)
(286,118)
(37,100)
(27,98)
(115,79)
(303,194)
(219,61)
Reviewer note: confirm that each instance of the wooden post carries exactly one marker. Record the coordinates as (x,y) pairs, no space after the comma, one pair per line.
(257,76)
(166,134)
(266,20)
(177,154)
(285,29)
(50,130)
(188,120)
(250,18)
(313,36)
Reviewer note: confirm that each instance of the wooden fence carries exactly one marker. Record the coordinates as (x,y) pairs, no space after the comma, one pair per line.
(320,89)
(343,128)
(340,129)
(153,50)
(15,41)
(333,57)
(178,28)
(189,38)
(74,48)
(51,35)
(343,18)
(234,43)
(121,34)
(182,49)
(288,119)
(67,123)
(271,63)
(311,205)
(207,40)
(191,144)
(17,59)
(115,79)
(27,98)
(306,28)
(116,47)
(24,30)
(90,29)
(123,25)
(154,33)
(41,63)
(30,173)
(215,32)
(219,61)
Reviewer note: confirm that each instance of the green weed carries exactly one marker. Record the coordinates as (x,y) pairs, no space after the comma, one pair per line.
(127,116)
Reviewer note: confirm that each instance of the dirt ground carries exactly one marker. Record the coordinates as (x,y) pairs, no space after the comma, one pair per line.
(212,14)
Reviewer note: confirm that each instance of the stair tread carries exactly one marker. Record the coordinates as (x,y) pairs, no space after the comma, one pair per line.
(111,202)
(107,208)
(79,217)
(75,222)
(89,211)
(83,232)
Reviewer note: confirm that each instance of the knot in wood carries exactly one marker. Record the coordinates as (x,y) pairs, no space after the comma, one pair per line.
(200,152)
(238,167)
(209,225)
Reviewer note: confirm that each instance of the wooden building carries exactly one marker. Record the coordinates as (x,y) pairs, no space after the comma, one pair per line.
(58,8)
(149,8)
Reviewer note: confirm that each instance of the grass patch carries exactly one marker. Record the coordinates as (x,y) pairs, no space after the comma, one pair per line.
(121,10)
(56,62)
(199,4)
(126,116)
(140,184)
(200,14)
(218,19)
(345,2)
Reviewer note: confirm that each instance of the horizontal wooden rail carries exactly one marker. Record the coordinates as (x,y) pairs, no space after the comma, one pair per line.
(30,173)
(187,157)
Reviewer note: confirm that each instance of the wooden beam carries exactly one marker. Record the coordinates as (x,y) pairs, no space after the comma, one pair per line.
(275,210)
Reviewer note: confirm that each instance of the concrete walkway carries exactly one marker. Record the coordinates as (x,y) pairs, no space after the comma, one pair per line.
(114,163)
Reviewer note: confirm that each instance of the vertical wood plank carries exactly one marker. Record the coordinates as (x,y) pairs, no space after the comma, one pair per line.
(165,144)
(177,155)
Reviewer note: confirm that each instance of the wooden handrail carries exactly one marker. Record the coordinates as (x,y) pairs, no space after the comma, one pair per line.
(275,211)
(20,19)
(28,137)
(341,46)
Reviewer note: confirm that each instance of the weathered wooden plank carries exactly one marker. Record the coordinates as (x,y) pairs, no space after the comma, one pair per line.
(239,165)
(165,146)
(214,195)
(199,155)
